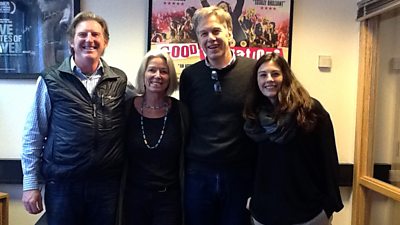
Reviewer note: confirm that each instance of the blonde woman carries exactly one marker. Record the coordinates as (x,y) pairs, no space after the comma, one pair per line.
(155,138)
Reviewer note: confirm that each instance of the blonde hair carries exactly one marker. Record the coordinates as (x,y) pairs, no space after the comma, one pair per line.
(157,53)
(205,12)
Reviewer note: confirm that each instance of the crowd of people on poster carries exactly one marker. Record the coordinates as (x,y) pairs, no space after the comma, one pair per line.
(33,34)
(259,27)
(256,23)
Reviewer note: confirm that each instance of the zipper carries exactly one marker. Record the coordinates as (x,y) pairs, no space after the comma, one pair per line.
(94,110)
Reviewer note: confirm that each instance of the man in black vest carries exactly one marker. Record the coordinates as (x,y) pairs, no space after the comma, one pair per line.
(73,137)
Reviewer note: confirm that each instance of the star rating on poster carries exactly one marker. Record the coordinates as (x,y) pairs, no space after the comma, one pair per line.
(267,8)
(177,3)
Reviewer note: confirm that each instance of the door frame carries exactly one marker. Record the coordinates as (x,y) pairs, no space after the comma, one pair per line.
(363,182)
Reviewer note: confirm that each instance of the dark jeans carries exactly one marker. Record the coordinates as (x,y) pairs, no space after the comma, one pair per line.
(82,202)
(152,207)
(215,197)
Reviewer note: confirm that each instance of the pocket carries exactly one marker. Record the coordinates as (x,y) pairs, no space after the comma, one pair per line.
(109,110)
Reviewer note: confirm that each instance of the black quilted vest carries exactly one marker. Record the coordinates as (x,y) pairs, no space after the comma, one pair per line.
(85,134)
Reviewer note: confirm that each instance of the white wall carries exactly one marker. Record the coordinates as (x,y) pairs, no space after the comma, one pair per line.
(127,21)
(325,27)
(321,27)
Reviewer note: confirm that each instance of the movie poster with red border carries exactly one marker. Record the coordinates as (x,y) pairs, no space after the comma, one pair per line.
(259,27)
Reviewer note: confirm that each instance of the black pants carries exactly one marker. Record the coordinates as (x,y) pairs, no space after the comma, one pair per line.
(152,207)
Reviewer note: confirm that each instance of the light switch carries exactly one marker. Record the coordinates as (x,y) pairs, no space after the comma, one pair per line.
(324,61)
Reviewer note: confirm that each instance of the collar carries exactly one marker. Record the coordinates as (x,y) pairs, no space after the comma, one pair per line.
(78,72)
(233,60)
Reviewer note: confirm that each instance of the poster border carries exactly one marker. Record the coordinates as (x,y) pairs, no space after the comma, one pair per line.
(35,75)
(290,32)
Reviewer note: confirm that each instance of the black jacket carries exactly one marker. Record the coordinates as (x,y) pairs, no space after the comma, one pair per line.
(298,179)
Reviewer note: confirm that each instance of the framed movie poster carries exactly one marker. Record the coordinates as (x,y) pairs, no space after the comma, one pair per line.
(33,35)
(259,27)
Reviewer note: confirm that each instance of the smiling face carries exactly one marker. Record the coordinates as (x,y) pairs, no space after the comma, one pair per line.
(269,79)
(156,77)
(89,43)
(214,38)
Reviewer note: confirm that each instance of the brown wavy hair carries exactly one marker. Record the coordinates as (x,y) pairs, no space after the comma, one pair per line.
(292,97)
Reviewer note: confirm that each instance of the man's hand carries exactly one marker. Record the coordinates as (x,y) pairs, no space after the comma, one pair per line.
(32,200)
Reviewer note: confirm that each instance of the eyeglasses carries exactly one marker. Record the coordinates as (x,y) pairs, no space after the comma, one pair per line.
(217,84)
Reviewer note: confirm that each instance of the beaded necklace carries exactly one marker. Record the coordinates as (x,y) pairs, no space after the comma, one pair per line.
(162,130)
(155,107)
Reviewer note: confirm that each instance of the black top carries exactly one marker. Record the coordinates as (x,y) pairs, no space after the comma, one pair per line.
(296,180)
(159,167)
(216,137)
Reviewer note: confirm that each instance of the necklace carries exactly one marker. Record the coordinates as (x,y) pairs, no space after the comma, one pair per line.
(155,107)
(162,130)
